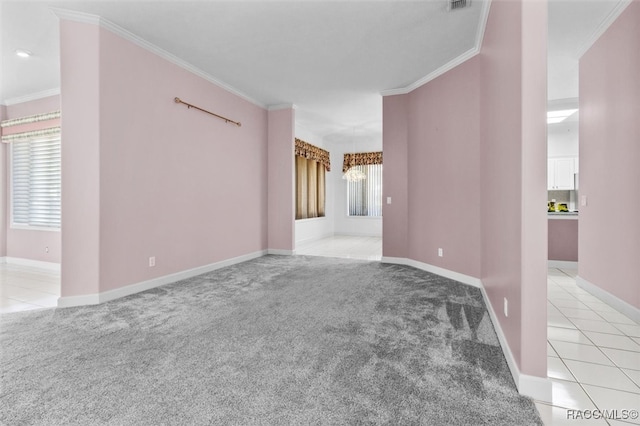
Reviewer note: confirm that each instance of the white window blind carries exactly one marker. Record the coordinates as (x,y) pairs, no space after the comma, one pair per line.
(365,196)
(36,183)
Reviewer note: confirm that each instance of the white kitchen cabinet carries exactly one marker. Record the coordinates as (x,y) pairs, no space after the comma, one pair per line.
(560,173)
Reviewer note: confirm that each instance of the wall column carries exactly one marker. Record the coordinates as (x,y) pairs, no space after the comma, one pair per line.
(395,140)
(80,84)
(280,183)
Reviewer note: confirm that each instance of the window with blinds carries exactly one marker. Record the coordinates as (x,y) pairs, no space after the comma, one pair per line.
(36,183)
(365,196)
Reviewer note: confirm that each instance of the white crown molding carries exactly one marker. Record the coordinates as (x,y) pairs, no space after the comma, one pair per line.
(484,16)
(279,107)
(87,18)
(97,298)
(31,97)
(433,75)
(610,299)
(604,25)
(72,15)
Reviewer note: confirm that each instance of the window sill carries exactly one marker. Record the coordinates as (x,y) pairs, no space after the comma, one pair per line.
(311,219)
(32,228)
(364,217)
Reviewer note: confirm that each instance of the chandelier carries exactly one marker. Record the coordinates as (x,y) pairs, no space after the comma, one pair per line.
(354,175)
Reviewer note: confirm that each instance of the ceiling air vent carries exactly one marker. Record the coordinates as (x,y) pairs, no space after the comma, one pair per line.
(458,4)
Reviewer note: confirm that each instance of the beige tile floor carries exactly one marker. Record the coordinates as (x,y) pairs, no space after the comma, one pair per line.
(23,288)
(593,350)
(593,356)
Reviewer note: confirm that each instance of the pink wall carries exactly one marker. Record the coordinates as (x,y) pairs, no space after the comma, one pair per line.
(21,243)
(37,106)
(563,240)
(533,193)
(162,180)
(465,163)
(609,238)
(395,116)
(281,175)
(513,161)
(79,69)
(443,163)
(4,182)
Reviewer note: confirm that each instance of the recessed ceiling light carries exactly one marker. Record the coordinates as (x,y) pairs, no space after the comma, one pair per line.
(559,116)
(23,53)
(561,113)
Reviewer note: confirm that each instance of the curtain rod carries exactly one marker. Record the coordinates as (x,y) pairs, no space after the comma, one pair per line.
(226,120)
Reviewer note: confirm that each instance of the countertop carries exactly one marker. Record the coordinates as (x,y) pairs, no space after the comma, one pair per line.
(562,215)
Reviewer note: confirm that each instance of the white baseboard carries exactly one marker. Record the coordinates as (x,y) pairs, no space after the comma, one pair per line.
(94,299)
(562,264)
(281,252)
(611,300)
(358,234)
(85,299)
(538,388)
(49,266)
(465,279)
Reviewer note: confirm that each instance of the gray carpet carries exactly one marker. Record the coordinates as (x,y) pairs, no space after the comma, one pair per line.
(277,340)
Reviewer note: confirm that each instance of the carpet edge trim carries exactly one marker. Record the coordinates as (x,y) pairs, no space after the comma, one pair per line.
(102,297)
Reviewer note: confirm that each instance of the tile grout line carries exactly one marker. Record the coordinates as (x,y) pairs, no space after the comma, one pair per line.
(593,344)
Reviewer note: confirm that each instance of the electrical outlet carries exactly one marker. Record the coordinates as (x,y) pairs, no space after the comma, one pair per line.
(46,249)
(440,252)
(152,261)
(583,200)
(506,307)
(388,200)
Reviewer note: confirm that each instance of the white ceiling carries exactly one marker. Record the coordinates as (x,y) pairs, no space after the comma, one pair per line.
(573,27)
(329,58)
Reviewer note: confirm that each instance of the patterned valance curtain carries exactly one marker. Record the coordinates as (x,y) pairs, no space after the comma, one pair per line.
(361,159)
(33,126)
(312,152)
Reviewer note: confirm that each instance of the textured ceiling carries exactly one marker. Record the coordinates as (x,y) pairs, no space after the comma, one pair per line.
(329,58)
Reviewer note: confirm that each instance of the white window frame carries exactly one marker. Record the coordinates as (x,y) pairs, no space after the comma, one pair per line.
(12,223)
(367,216)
